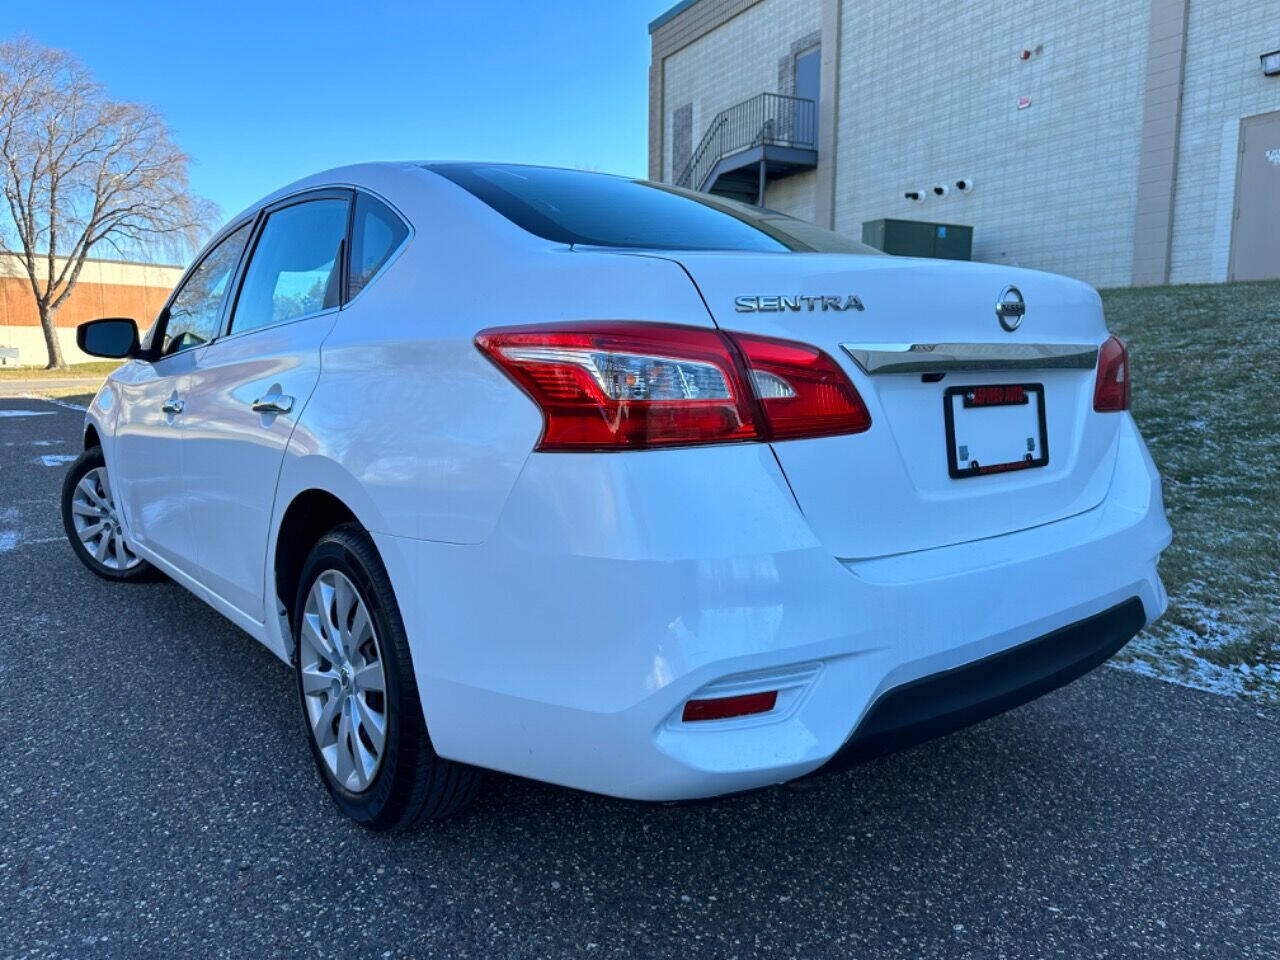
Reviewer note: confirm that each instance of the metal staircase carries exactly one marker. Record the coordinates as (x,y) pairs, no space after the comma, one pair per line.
(747,145)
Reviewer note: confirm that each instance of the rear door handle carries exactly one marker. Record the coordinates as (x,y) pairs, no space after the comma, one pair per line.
(172,405)
(273,403)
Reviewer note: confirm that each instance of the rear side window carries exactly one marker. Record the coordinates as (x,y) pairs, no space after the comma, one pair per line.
(376,233)
(295,269)
(195,309)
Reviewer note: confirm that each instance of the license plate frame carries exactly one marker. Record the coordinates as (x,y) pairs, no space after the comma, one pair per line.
(976,397)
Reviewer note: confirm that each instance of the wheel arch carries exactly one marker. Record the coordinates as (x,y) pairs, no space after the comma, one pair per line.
(309,516)
(314,494)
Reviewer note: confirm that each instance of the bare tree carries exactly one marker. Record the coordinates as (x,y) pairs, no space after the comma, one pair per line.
(79,170)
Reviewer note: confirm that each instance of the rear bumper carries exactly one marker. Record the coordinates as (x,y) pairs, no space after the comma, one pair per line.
(953,699)
(617,587)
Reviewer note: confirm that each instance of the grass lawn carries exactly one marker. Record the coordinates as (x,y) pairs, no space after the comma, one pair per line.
(1206,394)
(98,368)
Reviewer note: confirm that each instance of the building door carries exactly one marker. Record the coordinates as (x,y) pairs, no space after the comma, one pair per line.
(1255,238)
(808,74)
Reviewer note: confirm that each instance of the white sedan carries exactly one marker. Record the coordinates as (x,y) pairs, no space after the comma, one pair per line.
(618,486)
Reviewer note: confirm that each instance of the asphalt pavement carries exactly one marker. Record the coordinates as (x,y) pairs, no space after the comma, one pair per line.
(157,800)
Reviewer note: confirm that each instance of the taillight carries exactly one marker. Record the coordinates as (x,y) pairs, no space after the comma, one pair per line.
(1111,391)
(626,385)
(802,391)
(621,385)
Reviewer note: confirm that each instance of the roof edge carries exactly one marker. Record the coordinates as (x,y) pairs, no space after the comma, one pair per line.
(124,263)
(670,15)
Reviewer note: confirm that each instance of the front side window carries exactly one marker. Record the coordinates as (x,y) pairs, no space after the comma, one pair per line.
(194,311)
(595,209)
(295,269)
(376,233)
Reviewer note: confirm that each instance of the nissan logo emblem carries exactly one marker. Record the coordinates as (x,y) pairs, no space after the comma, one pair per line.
(1011,308)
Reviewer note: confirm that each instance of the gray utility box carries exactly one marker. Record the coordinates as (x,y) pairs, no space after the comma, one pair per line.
(915,238)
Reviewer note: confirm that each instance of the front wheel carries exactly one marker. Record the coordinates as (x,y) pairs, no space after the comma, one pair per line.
(359,698)
(92,521)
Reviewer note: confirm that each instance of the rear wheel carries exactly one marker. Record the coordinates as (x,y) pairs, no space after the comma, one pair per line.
(92,521)
(359,698)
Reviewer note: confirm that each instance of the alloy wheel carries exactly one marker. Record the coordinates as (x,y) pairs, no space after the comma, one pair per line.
(343,683)
(97,522)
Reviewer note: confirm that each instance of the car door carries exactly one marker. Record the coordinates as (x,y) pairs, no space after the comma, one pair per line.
(247,389)
(147,468)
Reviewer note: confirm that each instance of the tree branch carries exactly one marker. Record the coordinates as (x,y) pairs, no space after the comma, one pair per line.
(79,169)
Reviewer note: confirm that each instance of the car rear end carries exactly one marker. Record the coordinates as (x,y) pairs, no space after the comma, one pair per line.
(851,506)
(1002,499)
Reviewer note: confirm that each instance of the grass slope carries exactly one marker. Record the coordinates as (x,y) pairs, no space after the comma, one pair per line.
(95,368)
(1206,394)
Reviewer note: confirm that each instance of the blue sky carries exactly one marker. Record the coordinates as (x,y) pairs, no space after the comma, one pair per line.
(262,93)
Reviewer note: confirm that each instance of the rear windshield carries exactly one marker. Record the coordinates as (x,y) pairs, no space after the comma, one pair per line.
(599,210)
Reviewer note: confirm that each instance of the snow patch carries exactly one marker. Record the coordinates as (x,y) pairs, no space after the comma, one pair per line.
(1197,674)
(64,404)
(57,459)
(9,538)
(1172,651)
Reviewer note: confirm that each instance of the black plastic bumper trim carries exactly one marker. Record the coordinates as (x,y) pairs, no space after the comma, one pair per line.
(945,702)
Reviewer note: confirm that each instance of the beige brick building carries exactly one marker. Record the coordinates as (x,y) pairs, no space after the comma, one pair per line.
(1119,141)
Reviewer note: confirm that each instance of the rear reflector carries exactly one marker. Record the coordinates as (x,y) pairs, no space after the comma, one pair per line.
(612,386)
(1111,391)
(721,708)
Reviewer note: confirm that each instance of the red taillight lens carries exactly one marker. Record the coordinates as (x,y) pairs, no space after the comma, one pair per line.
(609,386)
(722,708)
(1111,391)
(626,385)
(802,391)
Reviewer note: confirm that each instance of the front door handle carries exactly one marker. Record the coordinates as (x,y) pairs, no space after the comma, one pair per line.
(273,403)
(172,405)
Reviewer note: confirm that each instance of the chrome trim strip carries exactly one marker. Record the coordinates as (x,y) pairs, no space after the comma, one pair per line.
(941,357)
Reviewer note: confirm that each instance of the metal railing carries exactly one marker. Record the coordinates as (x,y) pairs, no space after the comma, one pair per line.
(768,119)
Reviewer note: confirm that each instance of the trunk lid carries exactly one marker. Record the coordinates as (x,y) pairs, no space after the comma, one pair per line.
(890,490)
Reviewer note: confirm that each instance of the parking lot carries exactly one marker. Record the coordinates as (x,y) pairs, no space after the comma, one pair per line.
(157,799)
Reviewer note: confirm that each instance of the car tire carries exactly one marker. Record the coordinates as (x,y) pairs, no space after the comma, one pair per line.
(91,519)
(367,736)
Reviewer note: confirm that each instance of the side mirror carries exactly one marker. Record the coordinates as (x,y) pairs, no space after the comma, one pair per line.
(114,337)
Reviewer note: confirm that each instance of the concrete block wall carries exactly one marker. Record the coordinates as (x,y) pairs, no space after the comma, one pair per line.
(796,195)
(1222,82)
(32,351)
(930,95)
(1120,169)
(732,63)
